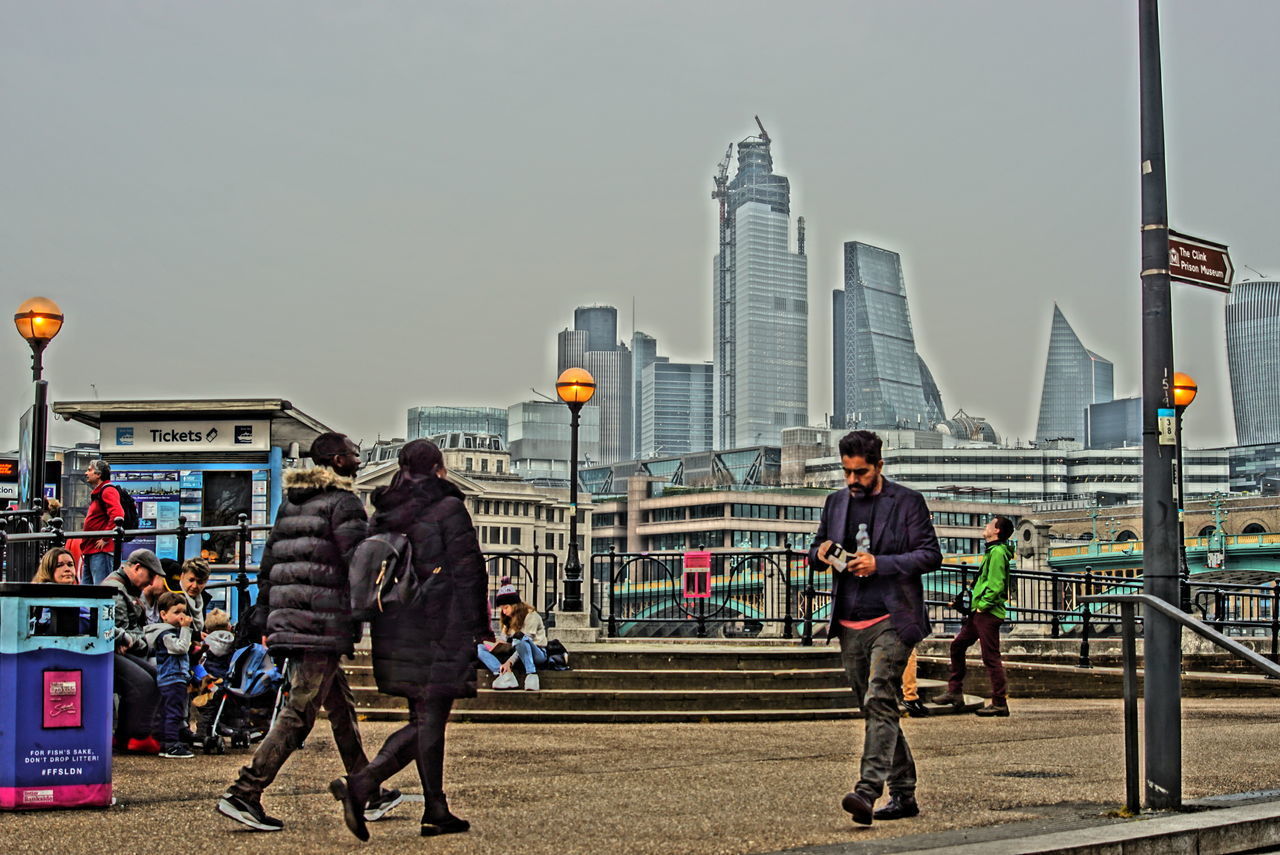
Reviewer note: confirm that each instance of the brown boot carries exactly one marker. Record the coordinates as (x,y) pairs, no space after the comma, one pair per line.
(950,699)
(993,709)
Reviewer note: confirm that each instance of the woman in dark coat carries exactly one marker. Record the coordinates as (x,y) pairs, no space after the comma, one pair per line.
(424,653)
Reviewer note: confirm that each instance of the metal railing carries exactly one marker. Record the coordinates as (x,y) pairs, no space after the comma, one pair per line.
(1128,605)
(776,592)
(535,574)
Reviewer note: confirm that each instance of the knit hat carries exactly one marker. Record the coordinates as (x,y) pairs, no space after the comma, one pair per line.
(507,594)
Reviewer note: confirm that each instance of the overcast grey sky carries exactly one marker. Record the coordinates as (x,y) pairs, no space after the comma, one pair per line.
(366,206)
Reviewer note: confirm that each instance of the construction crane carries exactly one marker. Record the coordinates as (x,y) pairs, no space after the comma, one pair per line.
(764,135)
(724,321)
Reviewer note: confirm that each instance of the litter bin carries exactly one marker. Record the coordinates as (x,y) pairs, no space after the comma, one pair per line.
(56,669)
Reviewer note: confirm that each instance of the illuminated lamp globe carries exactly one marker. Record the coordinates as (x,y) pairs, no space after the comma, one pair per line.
(38,320)
(1184,390)
(575,386)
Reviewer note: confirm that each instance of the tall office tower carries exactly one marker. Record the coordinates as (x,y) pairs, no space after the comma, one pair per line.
(600,324)
(1074,378)
(612,372)
(878,379)
(676,414)
(644,352)
(571,350)
(761,310)
(1253,358)
(593,345)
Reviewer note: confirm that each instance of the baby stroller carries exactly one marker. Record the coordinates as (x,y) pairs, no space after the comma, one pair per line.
(245,701)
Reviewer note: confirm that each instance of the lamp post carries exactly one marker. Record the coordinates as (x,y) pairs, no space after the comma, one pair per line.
(1184,392)
(575,386)
(38,320)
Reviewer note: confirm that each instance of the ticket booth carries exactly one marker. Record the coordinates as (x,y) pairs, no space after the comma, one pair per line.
(206,460)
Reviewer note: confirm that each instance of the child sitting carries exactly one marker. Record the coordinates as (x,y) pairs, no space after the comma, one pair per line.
(170,642)
(211,668)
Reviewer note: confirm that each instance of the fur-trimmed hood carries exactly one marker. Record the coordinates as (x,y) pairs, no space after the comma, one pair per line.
(302,484)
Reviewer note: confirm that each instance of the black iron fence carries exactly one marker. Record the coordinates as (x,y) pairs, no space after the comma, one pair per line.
(777,593)
(22,543)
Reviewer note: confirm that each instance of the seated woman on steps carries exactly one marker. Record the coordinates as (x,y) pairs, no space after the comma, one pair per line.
(521,627)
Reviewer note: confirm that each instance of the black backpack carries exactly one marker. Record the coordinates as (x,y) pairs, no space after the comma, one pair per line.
(382,575)
(128,505)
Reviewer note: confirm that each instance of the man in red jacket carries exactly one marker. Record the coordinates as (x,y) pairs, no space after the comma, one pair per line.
(103,511)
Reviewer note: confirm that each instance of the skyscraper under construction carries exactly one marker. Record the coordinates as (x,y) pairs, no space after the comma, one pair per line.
(761,306)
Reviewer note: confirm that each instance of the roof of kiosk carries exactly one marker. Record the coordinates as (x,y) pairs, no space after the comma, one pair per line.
(287,424)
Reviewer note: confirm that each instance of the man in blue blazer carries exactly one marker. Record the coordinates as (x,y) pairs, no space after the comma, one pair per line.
(877,612)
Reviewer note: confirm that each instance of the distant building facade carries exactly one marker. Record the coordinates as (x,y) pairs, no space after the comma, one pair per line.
(1031,474)
(1074,378)
(1114,424)
(675,407)
(540,440)
(1253,359)
(879,381)
(430,421)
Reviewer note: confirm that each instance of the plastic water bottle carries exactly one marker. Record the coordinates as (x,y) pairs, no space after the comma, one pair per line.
(863,538)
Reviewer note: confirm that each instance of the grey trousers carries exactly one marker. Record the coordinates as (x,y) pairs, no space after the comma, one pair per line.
(315,680)
(874,659)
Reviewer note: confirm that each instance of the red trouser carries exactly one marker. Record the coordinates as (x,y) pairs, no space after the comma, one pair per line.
(984,629)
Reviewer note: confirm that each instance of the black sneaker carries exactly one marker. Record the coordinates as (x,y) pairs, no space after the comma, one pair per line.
(916,708)
(248,813)
(177,751)
(382,804)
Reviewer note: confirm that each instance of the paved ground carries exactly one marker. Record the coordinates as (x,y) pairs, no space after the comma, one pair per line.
(679,788)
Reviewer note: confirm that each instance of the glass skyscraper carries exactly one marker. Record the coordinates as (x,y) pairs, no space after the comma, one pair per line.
(675,408)
(1074,378)
(879,382)
(1253,358)
(761,311)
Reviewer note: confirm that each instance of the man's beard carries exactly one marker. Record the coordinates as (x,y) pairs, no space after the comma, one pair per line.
(860,491)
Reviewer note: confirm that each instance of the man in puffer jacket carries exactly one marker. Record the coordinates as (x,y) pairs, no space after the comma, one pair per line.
(304,585)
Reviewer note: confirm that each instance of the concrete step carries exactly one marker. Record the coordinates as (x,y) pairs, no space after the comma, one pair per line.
(532,715)
(687,657)
(602,679)
(552,698)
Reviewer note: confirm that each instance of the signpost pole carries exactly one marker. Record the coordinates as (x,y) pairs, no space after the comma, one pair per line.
(1161,636)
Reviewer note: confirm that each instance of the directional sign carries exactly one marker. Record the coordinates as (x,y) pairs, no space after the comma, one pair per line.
(1199,262)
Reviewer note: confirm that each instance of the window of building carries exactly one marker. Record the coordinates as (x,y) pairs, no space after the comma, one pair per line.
(469,464)
(550,542)
(484,464)
(1254,528)
(515,536)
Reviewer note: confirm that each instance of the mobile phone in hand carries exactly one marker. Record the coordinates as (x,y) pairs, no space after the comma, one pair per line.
(837,556)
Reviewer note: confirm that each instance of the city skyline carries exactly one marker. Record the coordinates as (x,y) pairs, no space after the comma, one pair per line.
(196,215)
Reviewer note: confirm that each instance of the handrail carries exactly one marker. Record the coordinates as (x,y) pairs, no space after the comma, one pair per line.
(1128,604)
(1201,629)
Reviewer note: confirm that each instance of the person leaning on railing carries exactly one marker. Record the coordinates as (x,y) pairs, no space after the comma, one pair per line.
(101,515)
(58,567)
